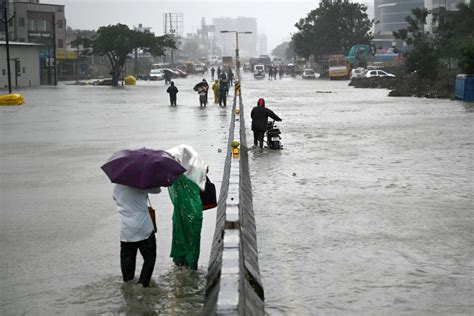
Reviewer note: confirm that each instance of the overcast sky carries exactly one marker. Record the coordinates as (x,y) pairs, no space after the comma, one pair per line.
(274,18)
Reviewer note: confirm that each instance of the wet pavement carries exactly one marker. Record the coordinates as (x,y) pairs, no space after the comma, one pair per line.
(368,209)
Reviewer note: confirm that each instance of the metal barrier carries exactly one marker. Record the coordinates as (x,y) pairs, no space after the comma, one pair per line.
(234,285)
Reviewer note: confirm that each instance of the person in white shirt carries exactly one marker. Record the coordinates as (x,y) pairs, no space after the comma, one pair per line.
(136,232)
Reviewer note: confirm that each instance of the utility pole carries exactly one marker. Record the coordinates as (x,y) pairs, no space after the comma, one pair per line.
(54,51)
(7,20)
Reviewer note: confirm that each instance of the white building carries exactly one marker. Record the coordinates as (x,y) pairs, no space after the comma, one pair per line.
(24,64)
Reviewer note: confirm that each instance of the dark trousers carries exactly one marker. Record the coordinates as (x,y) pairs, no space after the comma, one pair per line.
(223,99)
(258,138)
(128,258)
(173,99)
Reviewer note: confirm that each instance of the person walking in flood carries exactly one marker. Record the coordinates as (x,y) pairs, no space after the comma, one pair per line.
(260,115)
(136,232)
(215,89)
(173,91)
(223,90)
(187,212)
(213,70)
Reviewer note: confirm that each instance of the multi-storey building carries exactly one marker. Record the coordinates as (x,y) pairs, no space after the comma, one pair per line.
(45,24)
(390,16)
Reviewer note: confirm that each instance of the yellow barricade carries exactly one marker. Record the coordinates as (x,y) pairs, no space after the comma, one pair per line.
(130,81)
(237,88)
(12,99)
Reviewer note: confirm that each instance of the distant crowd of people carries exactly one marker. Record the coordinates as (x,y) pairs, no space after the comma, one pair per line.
(220,87)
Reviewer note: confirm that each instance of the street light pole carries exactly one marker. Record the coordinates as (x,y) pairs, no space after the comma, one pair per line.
(236,40)
(6,20)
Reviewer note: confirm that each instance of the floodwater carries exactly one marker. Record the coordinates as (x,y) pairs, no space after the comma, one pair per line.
(59,230)
(369,208)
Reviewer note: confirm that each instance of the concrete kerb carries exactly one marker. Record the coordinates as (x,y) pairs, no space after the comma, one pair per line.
(234,285)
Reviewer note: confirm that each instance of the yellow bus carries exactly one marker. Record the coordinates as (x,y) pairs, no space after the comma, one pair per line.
(339,67)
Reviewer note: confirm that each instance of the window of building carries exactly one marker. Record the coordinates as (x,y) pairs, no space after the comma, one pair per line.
(23,70)
(59,23)
(60,43)
(21,22)
(4,72)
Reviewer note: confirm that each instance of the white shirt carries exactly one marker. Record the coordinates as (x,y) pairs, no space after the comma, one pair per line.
(132,206)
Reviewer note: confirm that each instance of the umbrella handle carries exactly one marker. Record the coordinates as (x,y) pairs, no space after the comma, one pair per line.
(149,202)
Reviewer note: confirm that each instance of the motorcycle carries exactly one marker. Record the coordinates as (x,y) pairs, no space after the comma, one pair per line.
(273,136)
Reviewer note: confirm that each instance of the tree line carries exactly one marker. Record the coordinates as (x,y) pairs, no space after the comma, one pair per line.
(336,25)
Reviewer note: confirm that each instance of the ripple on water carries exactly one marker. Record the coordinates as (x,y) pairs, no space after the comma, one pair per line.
(176,292)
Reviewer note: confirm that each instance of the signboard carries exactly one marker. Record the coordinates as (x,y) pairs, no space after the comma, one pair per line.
(66,54)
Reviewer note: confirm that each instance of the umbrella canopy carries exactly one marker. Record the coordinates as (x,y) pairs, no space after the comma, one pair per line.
(201,85)
(143,168)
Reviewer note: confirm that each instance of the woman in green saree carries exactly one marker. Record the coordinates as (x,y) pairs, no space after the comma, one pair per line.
(187,222)
(187,214)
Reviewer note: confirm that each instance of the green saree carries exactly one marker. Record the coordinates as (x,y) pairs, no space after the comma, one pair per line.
(187,222)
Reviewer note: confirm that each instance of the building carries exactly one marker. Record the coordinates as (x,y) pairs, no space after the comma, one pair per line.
(44,24)
(24,64)
(442,9)
(389,17)
(262,44)
(226,41)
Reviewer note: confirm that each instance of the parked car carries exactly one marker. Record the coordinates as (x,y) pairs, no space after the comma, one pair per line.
(174,73)
(199,68)
(358,72)
(213,60)
(308,74)
(156,74)
(182,73)
(377,73)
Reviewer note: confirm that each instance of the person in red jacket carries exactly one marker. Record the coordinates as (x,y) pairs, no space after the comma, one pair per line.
(260,115)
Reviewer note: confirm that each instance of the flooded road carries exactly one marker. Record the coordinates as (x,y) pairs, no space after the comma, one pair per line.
(369,207)
(59,230)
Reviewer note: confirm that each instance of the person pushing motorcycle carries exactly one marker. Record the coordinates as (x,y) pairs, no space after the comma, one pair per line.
(260,115)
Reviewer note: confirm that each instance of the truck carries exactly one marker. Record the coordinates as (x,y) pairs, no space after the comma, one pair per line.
(339,67)
(363,55)
(227,61)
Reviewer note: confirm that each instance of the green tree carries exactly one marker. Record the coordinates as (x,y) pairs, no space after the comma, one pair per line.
(333,28)
(423,56)
(456,33)
(118,41)
(280,50)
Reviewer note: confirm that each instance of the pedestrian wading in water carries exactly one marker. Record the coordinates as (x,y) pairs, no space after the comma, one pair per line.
(260,115)
(136,232)
(187,213)
(173,91)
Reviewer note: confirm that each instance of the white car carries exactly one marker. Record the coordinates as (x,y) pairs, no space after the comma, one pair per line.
(213,60)
(357,72)
(199,68)
(377,73)
(308,74)
(157,74)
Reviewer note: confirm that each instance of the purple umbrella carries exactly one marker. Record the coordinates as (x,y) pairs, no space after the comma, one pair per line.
(143,168)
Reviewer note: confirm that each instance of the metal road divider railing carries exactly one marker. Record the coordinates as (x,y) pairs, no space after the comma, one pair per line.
(234,285)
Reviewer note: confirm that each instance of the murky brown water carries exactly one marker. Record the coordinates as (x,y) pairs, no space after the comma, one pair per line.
(59,231)
(367,210)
